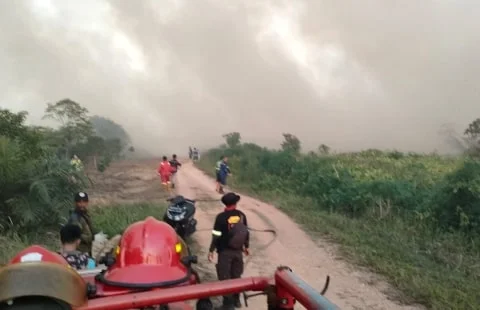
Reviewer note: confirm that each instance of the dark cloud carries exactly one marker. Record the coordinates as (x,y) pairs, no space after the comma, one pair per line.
(207,74)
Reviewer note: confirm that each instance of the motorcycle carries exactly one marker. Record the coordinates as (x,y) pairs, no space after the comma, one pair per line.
(180,215)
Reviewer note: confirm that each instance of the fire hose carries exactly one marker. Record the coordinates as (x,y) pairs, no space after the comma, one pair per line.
(258,249)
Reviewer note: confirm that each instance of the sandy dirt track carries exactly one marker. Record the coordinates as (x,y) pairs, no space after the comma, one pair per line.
(350,287)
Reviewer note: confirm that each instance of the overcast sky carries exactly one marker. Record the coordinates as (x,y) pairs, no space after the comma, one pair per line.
(351,74)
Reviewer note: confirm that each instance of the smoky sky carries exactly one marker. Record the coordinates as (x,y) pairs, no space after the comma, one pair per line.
(377,73)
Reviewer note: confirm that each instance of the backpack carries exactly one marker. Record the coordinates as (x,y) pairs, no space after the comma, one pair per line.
(237,235)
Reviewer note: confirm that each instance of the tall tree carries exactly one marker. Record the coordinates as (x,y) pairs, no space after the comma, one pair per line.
(473,137)
(75,126)
(291,143)
(232,139)
(324,149)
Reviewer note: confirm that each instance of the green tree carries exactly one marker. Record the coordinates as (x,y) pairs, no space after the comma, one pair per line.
(324,149)
(473,129)
(12,126)
(291,143)
(233,139)
(75,126)
(35,185)
(472,134)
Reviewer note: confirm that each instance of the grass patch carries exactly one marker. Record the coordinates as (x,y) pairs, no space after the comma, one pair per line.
(440,271)
(111,219)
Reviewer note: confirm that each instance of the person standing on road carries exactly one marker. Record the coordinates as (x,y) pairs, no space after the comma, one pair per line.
(195,154)
(217,173)
(190,152)
(175,165)
(81,218)
(165,172)
(223,173)
(230,238)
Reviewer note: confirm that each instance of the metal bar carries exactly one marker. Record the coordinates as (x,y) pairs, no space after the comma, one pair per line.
(302,292)
(176,294)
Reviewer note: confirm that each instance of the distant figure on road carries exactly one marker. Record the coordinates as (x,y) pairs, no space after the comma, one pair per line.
(165,172)
(196,154)
(175,165)
(190,152)
(222,174)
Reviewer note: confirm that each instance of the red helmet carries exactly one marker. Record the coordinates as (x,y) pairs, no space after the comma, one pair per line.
(150,251)
(53,277)
(37,254)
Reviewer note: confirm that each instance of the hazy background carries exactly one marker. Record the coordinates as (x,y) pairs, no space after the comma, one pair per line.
(351,74)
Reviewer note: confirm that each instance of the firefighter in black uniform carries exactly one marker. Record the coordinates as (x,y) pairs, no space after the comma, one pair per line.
(230,237)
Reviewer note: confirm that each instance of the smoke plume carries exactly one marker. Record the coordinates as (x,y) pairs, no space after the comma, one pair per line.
(349,74)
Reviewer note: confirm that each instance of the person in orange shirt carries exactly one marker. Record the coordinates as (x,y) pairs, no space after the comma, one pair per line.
(165,172)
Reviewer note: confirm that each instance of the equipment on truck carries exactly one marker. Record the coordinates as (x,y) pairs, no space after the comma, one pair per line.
(150,269)
(180,215)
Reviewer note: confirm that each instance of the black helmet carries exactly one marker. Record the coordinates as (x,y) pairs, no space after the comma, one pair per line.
(81,196)
(230,199)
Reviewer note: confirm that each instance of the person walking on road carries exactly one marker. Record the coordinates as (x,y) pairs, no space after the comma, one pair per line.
(222,174)
(81,218)
(230,238)
(165,172)
(175,165)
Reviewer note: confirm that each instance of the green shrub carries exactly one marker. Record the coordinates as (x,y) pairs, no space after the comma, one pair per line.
(34,191)
(457,203)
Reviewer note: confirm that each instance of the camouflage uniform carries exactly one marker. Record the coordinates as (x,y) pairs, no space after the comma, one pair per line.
(82,219)
(76,259)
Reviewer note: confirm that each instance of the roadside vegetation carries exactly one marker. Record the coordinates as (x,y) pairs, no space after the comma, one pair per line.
(413,218)
(37,180)
(111,220)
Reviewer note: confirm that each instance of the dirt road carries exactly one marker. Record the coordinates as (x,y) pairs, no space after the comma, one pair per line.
(313,261)
(350,288)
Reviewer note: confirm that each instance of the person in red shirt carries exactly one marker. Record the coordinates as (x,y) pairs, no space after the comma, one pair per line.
(165,172)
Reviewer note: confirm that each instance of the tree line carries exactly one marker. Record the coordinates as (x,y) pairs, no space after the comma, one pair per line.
(37,180)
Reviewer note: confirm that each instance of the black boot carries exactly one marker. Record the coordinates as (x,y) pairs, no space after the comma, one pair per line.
(237,303)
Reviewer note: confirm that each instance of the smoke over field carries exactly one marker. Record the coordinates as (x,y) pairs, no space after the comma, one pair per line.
(350,74)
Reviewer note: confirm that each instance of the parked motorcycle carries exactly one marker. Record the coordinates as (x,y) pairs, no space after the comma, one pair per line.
(180,215)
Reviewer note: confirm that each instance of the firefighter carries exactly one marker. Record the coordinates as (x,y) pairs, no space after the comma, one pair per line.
(165,172)
(76,163)
(230,238)
(81,218)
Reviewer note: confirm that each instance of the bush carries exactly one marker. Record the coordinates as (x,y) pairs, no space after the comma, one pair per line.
(457,203)
(34,190)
